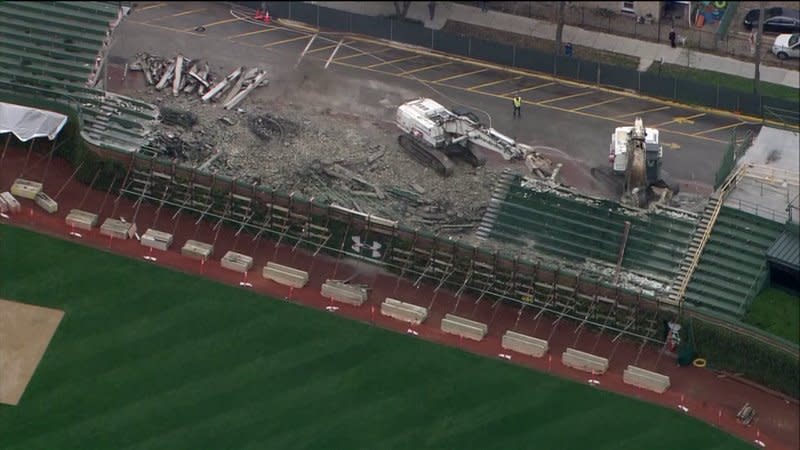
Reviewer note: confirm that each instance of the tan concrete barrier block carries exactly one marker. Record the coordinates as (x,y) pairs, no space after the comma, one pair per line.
(405,312)
(197,249)
(81,219)
(237,262)
(527,345)
(344,293)
(285,275)
(156,239)
(583,361)
(646,379)
(464,327)
(46,203)
(10,202)
(118,229)
(26,188)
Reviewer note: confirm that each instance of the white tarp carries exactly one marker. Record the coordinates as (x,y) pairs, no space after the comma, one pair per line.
(29,123)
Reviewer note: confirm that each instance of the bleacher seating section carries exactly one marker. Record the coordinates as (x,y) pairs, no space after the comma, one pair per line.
(576,227)
(725,280)
(48,50)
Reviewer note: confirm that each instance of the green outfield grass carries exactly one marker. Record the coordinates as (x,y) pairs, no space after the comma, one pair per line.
(150,358)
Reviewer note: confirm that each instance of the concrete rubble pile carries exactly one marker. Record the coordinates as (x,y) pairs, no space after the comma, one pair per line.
(172,145)
(193,77)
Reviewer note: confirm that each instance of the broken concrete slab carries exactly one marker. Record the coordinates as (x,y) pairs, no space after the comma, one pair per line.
(219,87)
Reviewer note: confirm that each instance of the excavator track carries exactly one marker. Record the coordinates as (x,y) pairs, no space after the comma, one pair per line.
(473,156)
(426,155)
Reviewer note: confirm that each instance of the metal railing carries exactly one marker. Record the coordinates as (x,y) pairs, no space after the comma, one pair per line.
(731,181)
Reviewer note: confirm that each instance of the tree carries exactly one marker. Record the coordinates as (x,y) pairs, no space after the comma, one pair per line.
(559,25)
(401,10)
(757,76)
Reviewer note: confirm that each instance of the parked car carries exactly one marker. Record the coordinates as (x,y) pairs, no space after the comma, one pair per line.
(778,20)
(787,46)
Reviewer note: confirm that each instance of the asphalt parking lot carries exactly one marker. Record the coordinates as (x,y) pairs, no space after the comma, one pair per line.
(573,119)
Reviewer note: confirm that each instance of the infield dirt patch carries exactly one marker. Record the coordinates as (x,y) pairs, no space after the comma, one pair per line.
(25,332)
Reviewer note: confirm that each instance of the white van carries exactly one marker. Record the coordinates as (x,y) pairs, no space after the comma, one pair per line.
(787,46)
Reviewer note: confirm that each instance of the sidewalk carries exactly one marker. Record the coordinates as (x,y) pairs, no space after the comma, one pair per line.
(647,52)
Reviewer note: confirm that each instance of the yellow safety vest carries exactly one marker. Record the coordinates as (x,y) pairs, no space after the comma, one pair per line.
(517,102)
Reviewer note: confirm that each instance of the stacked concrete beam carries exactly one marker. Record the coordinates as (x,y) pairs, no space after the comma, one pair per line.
(460,326)
(9,203)
(288,276)
(118,229)
(156,239)
(46,203)
(81,219)
(237,262)
(527,345)
(26,188)
(403,311)
(583,361)
(344,293)
(646,379)
(197,249)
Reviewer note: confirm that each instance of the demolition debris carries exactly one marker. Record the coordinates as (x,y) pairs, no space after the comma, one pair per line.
(194,78)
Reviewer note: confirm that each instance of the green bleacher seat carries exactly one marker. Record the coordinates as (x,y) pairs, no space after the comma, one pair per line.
(724,285)
(24,15)
(49,39)
(73,14)
(741,255)
(733,278)
(43,58)
(99,9)
(733,300)
(711,306)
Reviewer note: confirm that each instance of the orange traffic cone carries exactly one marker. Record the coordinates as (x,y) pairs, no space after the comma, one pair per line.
(266,17)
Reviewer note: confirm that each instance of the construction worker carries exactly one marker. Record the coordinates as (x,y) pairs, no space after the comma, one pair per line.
(517,106)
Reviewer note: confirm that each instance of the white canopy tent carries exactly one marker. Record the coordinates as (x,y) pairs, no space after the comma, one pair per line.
(29,123)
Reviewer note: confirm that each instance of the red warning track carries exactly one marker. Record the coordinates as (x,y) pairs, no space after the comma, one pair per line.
(707,396)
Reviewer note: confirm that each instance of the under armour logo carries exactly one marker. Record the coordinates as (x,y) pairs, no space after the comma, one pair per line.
(358,246)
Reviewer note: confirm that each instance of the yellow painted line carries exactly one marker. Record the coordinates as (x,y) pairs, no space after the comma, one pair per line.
(719,128)
(405,58)
(678,120)
(598,104)
(186,13)
(220,22)
(565,97)
(162,27)
(660,108)
(466,74)
(363,53)
(250,33)
(426,68)
(328,47)
(473,88)
(519,91)
(296,38)
(542,76)
(182,13)
(555,108)
(157,5)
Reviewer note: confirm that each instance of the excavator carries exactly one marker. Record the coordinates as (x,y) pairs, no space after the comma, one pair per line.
(637,154)
(432,135)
